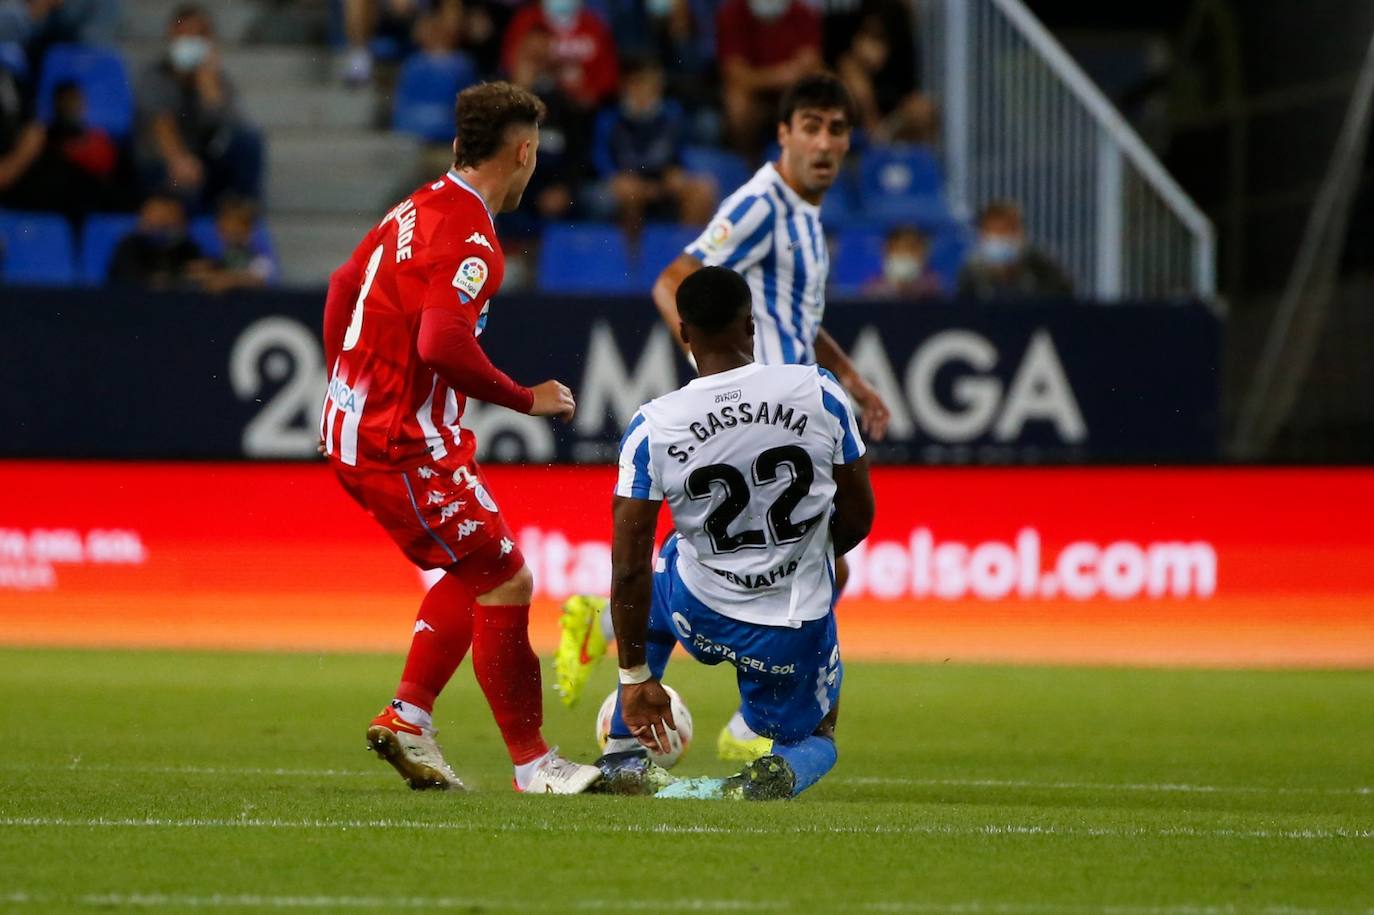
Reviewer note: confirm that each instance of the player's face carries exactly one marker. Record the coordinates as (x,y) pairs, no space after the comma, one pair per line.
(813,146)
(526,143)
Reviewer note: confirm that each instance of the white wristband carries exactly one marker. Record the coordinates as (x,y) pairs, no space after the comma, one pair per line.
(634,675)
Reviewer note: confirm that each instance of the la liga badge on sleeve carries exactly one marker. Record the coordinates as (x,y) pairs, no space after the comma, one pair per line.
(471,276)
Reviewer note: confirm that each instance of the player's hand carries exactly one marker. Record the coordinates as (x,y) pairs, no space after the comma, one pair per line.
(876,416)
(648,713)
(553,398)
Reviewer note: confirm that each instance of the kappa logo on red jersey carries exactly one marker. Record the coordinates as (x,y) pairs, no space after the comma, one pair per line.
(467,527)
(471,276)
(477,238)
(507,545)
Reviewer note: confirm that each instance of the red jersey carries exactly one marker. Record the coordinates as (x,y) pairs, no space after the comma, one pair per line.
(385,406)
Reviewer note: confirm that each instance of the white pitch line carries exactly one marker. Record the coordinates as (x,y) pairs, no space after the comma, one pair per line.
(1163,787)
(1144,787)
(988,829)
(260,901)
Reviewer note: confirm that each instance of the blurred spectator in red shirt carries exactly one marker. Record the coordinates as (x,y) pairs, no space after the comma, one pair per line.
(763,47)
(583,50)
(68,166)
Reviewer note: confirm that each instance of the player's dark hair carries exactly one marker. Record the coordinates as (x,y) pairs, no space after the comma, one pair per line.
(186,11)
(713,298)
(1008,210)
(482,114)
(817,91)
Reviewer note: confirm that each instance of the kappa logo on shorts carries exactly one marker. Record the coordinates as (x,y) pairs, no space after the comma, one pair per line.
(451,509)
(467,527)
(434,498)
(465,477)
(507,545)
(426,473)
(422,626)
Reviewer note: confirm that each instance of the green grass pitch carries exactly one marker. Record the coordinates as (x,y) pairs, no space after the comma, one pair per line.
(184,782)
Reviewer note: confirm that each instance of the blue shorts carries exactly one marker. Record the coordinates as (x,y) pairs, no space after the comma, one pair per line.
(789,679)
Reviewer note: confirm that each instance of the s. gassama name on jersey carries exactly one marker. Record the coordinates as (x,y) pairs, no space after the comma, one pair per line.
(742,414)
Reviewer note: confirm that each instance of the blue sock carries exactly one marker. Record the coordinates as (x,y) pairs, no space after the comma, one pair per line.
(656,652)
(810,759)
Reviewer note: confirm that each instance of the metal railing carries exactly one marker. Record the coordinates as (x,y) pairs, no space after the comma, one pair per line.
(1023,122)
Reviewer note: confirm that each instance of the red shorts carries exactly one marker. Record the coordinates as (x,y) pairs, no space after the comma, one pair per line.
(441,516)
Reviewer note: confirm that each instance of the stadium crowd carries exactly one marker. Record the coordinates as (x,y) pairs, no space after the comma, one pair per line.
(656,110)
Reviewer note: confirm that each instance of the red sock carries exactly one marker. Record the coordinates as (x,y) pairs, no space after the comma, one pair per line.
(443,632)
(508,672)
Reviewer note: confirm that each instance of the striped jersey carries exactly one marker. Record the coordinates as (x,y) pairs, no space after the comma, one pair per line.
(767,233)
(384,407)
(745,460)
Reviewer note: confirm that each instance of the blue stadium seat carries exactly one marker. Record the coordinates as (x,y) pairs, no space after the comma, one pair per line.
(425,92)
(36,250)
(948,251)
(902,183)
(102,77)
(99,238)
(729,170)
(858,258)
(659,245)
(584,257)
(205,234)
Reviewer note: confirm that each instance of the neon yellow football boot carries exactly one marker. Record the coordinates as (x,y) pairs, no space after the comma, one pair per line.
(737,743)
(581,646)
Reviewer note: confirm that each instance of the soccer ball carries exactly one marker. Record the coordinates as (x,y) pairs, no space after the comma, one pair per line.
(681,717)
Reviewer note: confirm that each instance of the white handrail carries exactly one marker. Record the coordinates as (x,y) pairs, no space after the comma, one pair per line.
(1105,113)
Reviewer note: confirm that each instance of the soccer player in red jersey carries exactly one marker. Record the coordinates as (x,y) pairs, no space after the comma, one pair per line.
(401,327)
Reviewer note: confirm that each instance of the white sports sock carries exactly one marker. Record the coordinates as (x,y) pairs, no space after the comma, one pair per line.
(525,771)
(621,744)
(738,729)
(607,624)
(413,714)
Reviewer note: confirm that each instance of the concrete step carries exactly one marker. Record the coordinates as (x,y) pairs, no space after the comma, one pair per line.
(251,65)
(303,107)
(311,246)
(339,172)
(146,20)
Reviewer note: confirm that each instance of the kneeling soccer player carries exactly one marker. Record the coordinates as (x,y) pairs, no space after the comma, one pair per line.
(764,470)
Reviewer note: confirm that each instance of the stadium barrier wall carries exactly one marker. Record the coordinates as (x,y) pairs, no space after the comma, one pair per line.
(97,373)
(1223,566)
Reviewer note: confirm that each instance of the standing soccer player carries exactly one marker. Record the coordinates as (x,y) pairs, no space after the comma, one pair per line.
(401,324)
(764,470)
(769,231)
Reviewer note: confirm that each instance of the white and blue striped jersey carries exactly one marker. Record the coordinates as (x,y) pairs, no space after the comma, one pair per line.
(772,237)
(745,460)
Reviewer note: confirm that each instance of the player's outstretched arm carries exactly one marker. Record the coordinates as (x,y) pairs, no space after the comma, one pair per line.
(854,506)
(665,293)
(876,415)
(644,704)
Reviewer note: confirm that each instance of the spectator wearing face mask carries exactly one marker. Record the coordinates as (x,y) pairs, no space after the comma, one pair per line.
(1004,265)
(583,51)
(158,254)
(192,137)
(67,167)
(637,151)
(905,270)
(763,46)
